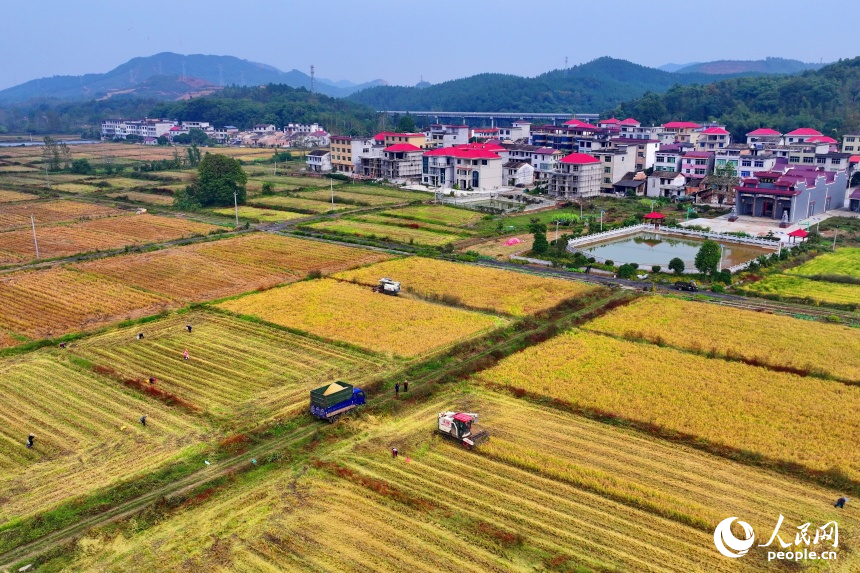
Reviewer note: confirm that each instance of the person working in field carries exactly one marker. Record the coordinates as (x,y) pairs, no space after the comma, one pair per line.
(140,336)
(840,503)
(143,420)
(188,326)
(186,354)
(30,439)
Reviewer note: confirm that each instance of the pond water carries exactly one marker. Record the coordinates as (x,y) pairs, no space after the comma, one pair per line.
(649,249)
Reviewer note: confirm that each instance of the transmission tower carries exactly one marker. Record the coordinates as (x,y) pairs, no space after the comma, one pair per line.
(313,81)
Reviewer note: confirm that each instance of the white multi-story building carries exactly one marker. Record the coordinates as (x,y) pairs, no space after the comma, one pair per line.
(713,138)
(303,128)
(467,167)
(666,184)
(441,135)
(668,157)
(401,162)
(319,161)
(615,164)
(143,128)
(544,160)
(518,173)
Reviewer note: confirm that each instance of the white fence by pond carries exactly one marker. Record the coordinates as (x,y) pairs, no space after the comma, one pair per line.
(720,237)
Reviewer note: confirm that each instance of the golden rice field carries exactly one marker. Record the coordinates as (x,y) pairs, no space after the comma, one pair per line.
(260,215)
(496,290)
(845,262)
(126,182)
(765,339)
(240,372)
(151,198)
(795,287)
(12,196)
(384,191)
(780,416)
(206,271)
(438,214)
(75,188)
(385,232)
(353,314)
(87,429)
(52,302)
(296,203)
(18,215)
(148,228)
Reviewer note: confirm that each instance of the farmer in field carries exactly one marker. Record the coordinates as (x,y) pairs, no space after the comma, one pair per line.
(406,385)
(393,452)
(188,326)
(30,439)
(143,420)
(397,389)
(186,354)
(152,380)
(140,336)
(62,345)
(840,503)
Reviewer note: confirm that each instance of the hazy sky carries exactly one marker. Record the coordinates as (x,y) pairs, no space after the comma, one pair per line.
(401,40)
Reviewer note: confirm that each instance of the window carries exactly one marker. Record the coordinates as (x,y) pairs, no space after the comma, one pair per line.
(746,162)
(849,148)
(700,171)
(794,159)
(745,173)
(759,163)
(606,170)
(607,158)
(721,161)
(483,162)
(851,139)
(820,160)
(607,180)
(808,159)
(701,162)
(640,154)
(661,159)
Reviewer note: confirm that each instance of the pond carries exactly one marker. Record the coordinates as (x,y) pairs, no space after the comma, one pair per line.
(649,249)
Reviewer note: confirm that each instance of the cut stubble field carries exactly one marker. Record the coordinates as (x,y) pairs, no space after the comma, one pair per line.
(576,494)
(87,429)
(14,196)
(496,290)
(18,215)
(241,372)
(390,232)
(799,288)
(353,314)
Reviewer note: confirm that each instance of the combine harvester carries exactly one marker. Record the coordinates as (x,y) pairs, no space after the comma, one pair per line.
(332,400)
(387,286)
(457,426)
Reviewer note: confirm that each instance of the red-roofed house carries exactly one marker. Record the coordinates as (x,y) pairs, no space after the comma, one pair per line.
(474,167)
(713,138)
(611,122)
(578,175)
(801,135)
(683,131)
(795,195)
(389,138)
(485,133)
(401,162)
(764,135)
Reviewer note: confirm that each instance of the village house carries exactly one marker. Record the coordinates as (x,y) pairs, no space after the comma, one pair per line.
(668,157)
(448,135)
(401,163)
(616,163)
(578,175)
(631,184)
(475,167)
(542,159)
(713,138)
(347,152)
(697,164)
(518,173)
(683,131)
(666,184)
(764,136)
(319,161)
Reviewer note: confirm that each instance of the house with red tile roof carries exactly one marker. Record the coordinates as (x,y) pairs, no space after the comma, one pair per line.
(401,163)
(713,138)
(475,166)
(697,164)
(578,175)
(764,135)
(801,135)
(683,131)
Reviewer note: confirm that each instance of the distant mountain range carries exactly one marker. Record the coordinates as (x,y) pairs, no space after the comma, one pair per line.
(163,76)
(723,67)
(591,87)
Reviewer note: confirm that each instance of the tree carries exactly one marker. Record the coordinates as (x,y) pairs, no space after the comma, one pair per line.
(708,258)
(193,153)
(540,245)
(626,271)
(267,188)
(218,178)
(406,124)
(163,140)
(51,155)
(81,167)
(676,265)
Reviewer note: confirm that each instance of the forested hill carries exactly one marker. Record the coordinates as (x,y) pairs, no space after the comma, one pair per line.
(276,104)
(592,87)
(827,100)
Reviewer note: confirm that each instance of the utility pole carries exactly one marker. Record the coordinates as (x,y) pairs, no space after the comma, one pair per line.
(236,205)
(835,232)
(331,186)
(35,241)
(313,81)
(556,230)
